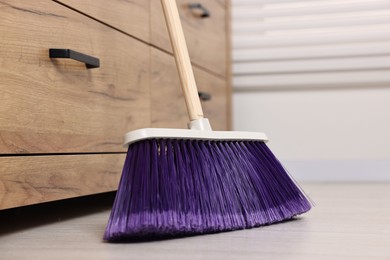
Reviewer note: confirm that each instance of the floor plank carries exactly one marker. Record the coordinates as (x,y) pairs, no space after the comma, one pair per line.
(350,221)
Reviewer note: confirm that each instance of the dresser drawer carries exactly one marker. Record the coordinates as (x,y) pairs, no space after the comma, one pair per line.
(168,105)
(131,17)
(58,105)
(206,37)
(26,180)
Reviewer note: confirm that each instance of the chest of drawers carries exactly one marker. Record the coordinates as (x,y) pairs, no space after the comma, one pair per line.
(62,123)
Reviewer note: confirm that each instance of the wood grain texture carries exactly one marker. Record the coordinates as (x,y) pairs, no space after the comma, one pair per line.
(183,63)
(26,180)
(350,221)
(168,109)
(206,37)
(57,105)
(131,17)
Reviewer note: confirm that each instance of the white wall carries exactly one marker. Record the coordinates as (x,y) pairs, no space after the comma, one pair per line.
(327,135)
(315,77)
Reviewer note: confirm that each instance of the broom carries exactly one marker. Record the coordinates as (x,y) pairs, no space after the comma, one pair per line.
(178,182)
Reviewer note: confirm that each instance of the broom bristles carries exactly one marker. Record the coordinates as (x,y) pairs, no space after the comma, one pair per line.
(186,187)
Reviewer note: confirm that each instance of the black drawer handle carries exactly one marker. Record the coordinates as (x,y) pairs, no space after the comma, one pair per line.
(90,62)
(204,13)
(204,96)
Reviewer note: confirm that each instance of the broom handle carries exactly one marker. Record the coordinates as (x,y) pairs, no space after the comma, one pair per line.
(182,58)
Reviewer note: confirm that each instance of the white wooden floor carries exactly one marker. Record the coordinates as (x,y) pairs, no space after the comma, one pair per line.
(350,221)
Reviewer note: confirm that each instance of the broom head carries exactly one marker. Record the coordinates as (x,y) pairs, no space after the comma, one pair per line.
(178,182)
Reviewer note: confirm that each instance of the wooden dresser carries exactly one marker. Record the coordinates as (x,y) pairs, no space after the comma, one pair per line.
(62,123)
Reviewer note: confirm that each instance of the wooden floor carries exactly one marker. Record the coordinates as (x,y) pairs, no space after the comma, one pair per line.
(350,221)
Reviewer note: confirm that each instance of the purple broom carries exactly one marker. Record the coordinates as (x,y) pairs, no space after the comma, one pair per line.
(180,182)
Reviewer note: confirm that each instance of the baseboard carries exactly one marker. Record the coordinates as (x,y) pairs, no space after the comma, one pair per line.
(339,170)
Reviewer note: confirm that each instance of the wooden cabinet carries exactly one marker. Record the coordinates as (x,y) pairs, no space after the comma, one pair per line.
(62,124)
(26,180)
(58,105)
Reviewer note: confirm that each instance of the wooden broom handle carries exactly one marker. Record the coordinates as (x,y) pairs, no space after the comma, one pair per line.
(182,58)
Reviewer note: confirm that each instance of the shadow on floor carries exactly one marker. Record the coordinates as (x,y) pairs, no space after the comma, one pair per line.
(22,218)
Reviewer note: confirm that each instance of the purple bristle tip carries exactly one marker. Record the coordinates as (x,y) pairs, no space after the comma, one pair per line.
(188,187)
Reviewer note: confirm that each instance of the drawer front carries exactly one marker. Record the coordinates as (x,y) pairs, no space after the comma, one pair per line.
(168,105)
(58,105)
(131,17)
(28,180)
(206,37)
